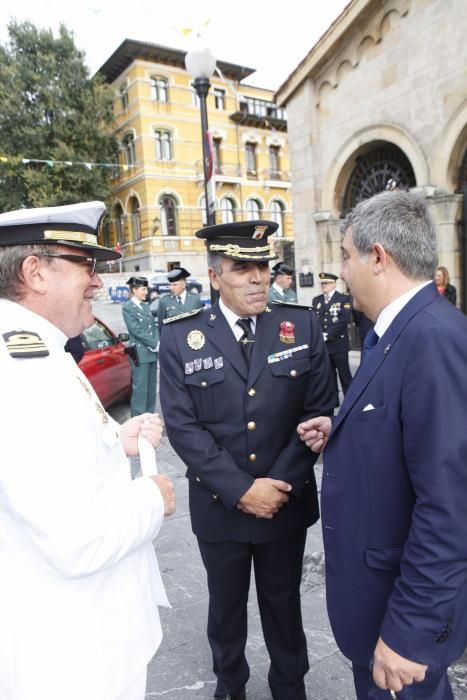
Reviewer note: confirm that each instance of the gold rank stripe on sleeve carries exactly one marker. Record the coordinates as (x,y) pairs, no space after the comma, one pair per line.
(24,344)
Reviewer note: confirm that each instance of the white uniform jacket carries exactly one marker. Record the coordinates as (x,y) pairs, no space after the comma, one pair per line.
(79,583)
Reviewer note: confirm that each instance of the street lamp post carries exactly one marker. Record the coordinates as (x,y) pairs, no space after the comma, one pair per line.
(201,64)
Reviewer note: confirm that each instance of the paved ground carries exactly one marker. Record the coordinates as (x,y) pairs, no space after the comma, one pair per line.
(182,667)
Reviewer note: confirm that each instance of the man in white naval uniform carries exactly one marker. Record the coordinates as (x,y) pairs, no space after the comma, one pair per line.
(79,583)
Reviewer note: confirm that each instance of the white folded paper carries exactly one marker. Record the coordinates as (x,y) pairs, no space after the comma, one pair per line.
(147,457)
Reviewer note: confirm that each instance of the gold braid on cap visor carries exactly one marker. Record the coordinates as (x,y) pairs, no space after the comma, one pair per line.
(232,249)
(77,236)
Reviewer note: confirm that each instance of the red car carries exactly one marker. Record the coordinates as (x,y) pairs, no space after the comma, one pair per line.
(105,363)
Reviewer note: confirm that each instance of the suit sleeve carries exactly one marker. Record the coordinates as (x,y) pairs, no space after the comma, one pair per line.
(137,329)
(294,464)
(422,607)
(213,466)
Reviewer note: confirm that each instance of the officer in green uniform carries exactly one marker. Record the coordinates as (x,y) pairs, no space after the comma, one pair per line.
(281,288)
(143,332)
(180,300)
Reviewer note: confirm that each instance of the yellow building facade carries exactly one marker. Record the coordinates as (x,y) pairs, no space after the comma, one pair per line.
(158,201)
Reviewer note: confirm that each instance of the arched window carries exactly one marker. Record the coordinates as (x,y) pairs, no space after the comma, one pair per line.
(135,220)
(373,170)
(168,216)
(124,96)
(159,89)
(118,224)
(250,152)
(253,209)
(227,210)
(163,142)
(129,147)
(277,215)
(462,184)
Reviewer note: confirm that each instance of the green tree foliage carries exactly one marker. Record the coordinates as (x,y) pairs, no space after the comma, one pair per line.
(51,110)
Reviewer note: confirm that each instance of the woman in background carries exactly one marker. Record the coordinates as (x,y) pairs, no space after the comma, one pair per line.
(442,282)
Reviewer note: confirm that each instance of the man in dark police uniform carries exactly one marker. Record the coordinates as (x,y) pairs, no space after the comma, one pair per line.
(235,380)
(334,312)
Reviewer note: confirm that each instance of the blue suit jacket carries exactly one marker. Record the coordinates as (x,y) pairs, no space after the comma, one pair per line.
(231,423)
(394,494)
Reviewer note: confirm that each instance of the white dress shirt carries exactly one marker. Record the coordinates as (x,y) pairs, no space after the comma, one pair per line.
(389,313)
(232,318)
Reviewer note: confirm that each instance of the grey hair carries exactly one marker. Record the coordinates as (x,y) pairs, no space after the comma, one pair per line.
(11,264)
(215,261)
(402,224)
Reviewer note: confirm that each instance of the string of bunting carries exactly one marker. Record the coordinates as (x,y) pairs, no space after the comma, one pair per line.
(52,163)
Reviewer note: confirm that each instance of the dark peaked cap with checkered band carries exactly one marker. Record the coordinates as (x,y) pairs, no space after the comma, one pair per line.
(242,240)
(73,225)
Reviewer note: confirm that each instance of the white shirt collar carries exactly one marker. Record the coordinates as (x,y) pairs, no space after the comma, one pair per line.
(136,301)
(389,313)
(182,296)
(231,317)
(278,289)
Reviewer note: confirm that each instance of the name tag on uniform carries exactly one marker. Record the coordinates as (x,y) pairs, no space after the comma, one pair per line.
(285,354)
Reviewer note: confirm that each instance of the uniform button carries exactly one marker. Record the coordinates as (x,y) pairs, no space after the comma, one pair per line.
(204,384)
(215,496)
(293,372)
(198,479)
(251,425)
(251,392)
(252,457)
(307,482)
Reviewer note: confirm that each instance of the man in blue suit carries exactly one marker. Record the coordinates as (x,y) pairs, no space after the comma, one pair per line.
(395,465)
(235,380)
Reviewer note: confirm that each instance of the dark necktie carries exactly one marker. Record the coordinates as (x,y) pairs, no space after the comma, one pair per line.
(247,338)
(369,343)
(179,299)
(75,347)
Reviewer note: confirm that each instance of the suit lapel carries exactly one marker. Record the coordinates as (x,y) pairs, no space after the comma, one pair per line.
(222,337)
(386,343)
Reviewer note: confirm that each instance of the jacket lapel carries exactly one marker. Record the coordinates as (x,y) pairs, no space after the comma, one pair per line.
(379,353)
(266,331)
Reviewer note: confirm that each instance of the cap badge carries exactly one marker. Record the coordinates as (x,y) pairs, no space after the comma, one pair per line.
(259,232)
(286,335)
(25,344)
(195,340)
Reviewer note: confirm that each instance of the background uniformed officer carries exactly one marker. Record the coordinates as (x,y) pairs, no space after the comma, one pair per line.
(334,312)
(180,300)
(281,288)
(143,332)
(235,380)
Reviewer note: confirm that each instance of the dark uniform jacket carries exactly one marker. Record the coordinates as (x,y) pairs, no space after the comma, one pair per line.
(231,424)
(334,319)
(169,306)
(142,329)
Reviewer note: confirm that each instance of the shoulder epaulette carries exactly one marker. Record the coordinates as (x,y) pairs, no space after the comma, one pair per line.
(179,317)
(25,344)
(292,305)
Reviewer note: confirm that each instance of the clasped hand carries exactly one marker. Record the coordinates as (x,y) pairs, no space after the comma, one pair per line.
(265,497)
(148,425)
(315,432)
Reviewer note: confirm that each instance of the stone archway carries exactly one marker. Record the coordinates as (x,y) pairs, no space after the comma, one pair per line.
(373,170)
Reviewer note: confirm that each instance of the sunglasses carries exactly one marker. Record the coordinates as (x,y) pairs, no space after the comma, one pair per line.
(80,259)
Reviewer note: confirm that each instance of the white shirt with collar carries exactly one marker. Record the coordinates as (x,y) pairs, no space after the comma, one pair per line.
(278,289)
(389,313)
(79,575)
(232,318)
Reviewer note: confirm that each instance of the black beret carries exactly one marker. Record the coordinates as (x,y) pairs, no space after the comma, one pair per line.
(177,274)
(281,268)
(137,282)
(242,240)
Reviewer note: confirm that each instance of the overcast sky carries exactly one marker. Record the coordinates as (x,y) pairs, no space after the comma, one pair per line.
(271,37)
